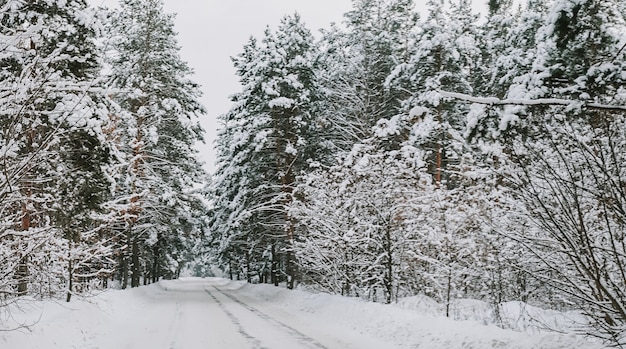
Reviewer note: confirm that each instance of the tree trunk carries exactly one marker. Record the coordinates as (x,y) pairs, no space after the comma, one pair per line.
(290,268)
(347,285)
(230,268)
(274,270)
(70,287)
(248,273)
(22,269)
(135,267)
(124,275)
(439,150)
(387,246)
(125,260)
(448,292)
(22,277)
(155,264)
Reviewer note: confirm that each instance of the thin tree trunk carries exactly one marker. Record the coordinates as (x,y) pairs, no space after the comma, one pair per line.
(155,265)
(125,259)
(439,150)
(70,287)
(389,264)
(22,277)
(22,269)
(230,268)
(248,273)
(136,270)
(274,270)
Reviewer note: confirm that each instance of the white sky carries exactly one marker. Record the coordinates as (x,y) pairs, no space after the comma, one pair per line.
(211,31)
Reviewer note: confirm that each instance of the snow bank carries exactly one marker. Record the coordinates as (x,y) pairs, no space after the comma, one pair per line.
(78,324)
(517,316)
(415,322)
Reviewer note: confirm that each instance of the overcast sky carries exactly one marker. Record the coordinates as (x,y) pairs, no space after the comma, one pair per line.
(211,31)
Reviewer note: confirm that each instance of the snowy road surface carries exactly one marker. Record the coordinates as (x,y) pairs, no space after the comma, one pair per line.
(216,313)
(197,313)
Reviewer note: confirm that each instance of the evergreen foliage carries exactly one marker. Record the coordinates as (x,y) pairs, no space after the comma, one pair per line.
(459,159)
(265,144)
(158,213)
(52,147)
(74,155)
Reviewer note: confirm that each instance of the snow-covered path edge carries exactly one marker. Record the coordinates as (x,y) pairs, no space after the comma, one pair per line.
(94,322)
(406,328)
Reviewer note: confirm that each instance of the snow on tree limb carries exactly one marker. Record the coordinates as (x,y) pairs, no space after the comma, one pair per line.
(538,101)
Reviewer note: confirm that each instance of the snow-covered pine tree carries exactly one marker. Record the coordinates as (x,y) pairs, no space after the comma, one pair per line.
(445,54)
(233,242)
(509,47)
(500,52)
(356,62)
(156,129)
(265,144)
(52,147)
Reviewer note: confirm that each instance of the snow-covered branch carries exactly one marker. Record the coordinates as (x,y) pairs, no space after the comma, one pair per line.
(521,101)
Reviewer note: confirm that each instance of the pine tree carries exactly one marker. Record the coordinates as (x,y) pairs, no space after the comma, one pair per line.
(509,46)
(379,38)
(52,145)
(235,178)
(156,133)
(356,64)
(446,53)
(499,54)
(265,145)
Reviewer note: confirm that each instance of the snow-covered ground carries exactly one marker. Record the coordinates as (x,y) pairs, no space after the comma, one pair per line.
(217,313)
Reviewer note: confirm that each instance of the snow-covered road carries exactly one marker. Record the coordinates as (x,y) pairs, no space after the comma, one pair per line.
(212,313)
(197,313)
(216,313)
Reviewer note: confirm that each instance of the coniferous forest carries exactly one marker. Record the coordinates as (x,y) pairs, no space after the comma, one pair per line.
(435,153)
(99,175)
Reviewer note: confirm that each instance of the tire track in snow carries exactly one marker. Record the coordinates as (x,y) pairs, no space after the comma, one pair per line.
(301,337)
(176,325)
(256,344)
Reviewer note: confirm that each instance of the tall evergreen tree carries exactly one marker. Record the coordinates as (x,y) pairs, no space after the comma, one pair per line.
(354,65)
(156,133)
(265,144)
(52,142)
(509,46)
(445,55)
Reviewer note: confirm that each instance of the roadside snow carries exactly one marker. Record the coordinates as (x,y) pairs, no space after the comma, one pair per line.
(412,322)
(180,314)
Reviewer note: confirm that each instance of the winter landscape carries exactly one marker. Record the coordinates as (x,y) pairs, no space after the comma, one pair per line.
(418,176)
(217,313)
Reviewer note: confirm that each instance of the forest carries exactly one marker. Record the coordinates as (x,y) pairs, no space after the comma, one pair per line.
(99,178)
(442,154)
(447,155)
